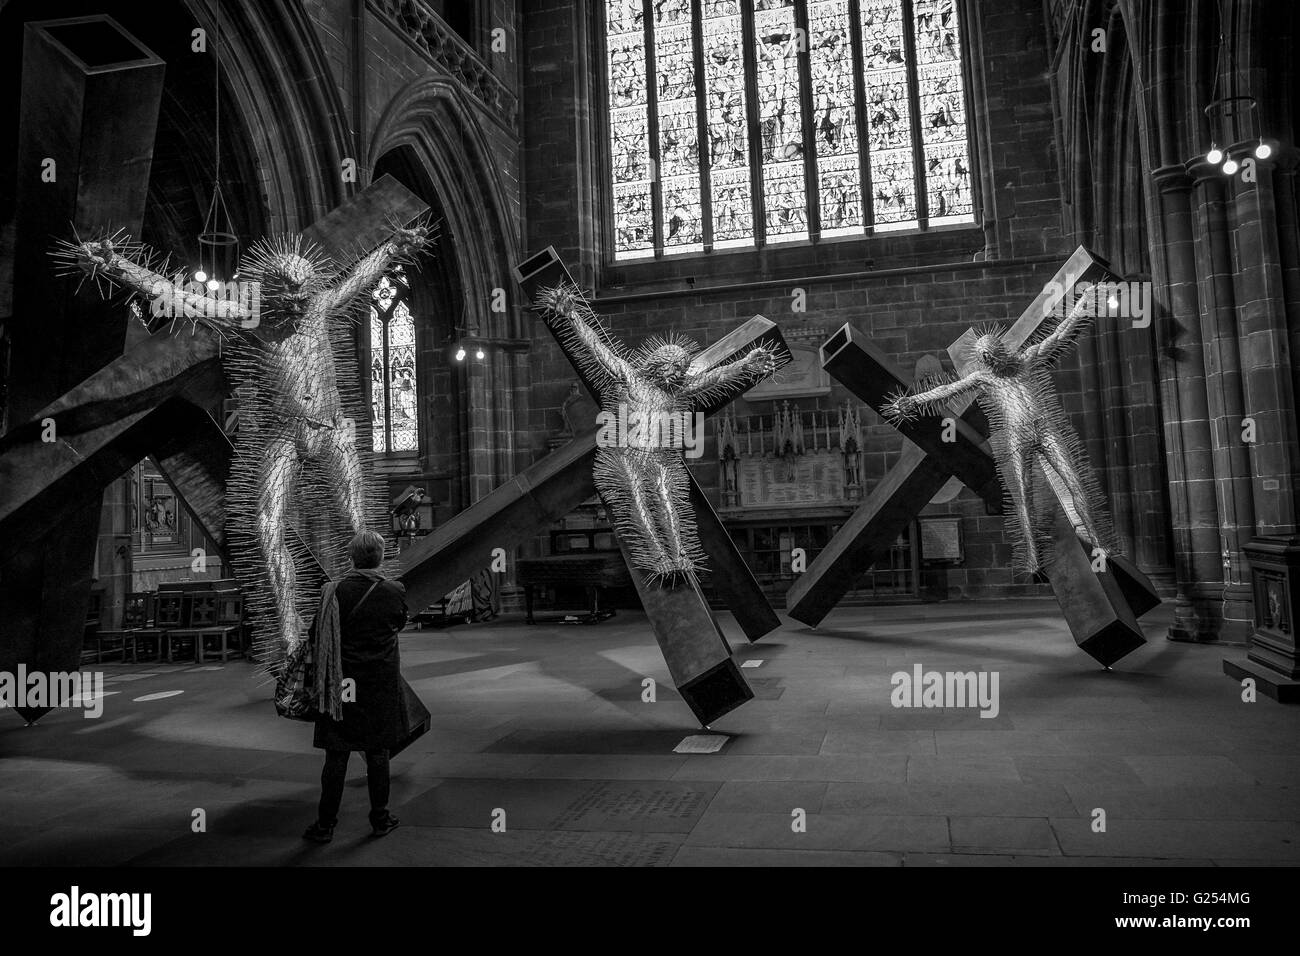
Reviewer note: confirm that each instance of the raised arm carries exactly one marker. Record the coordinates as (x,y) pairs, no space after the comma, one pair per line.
(757,365)
(574,324)
(115,260)
(906,407)
(365,274)
(1071,327)
(612,363)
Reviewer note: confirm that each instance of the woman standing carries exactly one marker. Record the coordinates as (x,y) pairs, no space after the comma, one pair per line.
(355,637)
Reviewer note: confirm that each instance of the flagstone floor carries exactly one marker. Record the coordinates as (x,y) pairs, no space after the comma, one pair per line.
(543,729)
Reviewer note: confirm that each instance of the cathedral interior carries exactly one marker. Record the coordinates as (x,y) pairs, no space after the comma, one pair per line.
(972,323)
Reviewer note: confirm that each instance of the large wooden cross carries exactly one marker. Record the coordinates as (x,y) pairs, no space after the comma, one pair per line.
(1101,607)
(697,653)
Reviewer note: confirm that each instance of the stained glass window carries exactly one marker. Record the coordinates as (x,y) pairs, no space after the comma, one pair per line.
(943,110)
(393,388)
(780,119)
(679,151)
(764,121)
(727,129)
(629,129)
(835,123)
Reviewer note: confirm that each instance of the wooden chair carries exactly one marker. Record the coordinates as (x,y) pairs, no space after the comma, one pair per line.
(226,634)
(124,641)
(96,643)
(170,609)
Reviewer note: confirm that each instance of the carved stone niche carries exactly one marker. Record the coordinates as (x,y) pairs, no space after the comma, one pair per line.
(1272,660)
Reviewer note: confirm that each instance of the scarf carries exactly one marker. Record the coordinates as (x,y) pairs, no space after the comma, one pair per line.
(329,646)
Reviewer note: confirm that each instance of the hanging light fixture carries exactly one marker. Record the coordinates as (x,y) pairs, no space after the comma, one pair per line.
(1232,119)
(218,244)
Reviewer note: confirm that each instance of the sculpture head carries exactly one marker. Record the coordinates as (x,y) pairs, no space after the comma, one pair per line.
(289,280)
(992,352)
(666,366)
(289,272)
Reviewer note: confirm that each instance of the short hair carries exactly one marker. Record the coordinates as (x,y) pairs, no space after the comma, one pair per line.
(366,550)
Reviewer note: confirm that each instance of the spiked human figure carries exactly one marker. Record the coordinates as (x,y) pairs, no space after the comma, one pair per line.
(1027,427)
(287,345)
(640,471)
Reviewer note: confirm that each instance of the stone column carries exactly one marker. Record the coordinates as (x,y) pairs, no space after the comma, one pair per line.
(1186,413)
(1230,456)
(1265,356)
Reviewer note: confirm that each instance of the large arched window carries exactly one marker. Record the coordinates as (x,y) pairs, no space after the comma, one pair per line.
(393,390)
(804,107)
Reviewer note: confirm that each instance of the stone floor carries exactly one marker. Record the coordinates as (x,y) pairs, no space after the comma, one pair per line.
(545,726)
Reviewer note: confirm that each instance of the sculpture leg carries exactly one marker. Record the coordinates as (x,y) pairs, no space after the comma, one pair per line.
(343,465)
(275,487)
(1080,504)
(667,481)
(621,480)
(1017,477)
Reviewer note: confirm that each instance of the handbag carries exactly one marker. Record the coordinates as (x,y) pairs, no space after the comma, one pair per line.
(295,698)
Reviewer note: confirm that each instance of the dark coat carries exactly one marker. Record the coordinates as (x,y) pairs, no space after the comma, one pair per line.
(376,720)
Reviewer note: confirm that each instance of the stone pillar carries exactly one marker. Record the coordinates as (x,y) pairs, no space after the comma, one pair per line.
(1223,383)
(1265,355)
(1188,442)
(1288,240)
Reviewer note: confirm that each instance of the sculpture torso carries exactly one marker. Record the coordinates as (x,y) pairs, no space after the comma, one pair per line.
(655,408)
(298,379)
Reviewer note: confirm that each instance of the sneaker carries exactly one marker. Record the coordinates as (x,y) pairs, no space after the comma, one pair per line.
(317,833)
(384,825)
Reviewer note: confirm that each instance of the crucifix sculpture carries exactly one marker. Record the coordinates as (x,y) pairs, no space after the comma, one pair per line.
(697,653)
(151,401)
(296,439)
(1100,606)
(1029,430)
(648,396)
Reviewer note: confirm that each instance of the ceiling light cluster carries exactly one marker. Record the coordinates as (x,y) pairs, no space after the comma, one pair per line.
(1229,117)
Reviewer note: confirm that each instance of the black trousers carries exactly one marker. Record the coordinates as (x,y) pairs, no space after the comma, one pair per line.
(335,773)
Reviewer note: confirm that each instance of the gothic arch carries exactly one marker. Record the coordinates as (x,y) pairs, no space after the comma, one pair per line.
(433,117)
(433,121)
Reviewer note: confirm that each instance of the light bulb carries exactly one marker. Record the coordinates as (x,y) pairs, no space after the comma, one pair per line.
(479,354)
(1230,166)
(1263,151)
(214,285)
(1214,156)
(1112,302)
(460,355)
(200,276)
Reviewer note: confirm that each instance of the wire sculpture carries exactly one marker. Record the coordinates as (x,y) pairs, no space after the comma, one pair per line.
(288,345)
(1027,428)
(641,475)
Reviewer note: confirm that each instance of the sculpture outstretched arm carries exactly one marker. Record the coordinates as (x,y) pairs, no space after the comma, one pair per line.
(366,272)
(905,407)
(565,311)
(1067,333)
(115,259)
(605,357)
(758,364)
